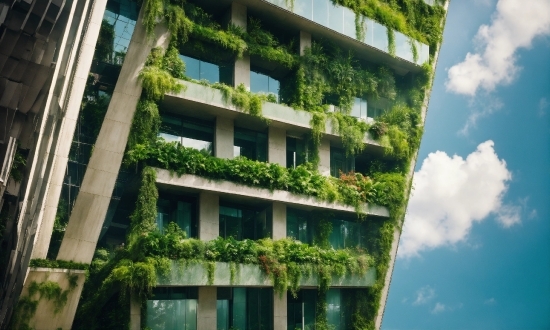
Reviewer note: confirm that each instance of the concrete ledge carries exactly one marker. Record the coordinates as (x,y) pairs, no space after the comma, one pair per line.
(194,182)
(250,275)
(210,100)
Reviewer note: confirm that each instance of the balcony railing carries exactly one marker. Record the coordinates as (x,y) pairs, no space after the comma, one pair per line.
(356,26)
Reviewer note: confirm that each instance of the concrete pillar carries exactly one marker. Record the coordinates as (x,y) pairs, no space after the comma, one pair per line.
(93,200)
(305,41)
(44,318)
(206,308)
(224,138)
(241,73)
(209,216)
(279,312)
(324,157)
(279,221)
(64,141)
(135,313)
(276,147)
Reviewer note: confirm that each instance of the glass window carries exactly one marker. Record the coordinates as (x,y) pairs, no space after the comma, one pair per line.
(359,108)
(301,310)
(241,223)
(298,226)
(347,234)
(250,144)
(340,163)
(201,70)
(296,152)
(244,308)
(380,36)
(181,212)
(172,309)
(190,132)
(336,18)
(349,23)
(375,112)
(261,83)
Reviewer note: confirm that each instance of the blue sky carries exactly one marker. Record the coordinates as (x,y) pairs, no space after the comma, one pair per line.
(475,250)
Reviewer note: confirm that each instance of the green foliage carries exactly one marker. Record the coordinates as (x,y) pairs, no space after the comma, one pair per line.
(18,166)
(153,11)
(63,264)
(391,41)
(143,219)
(145,124)
(241,98)
(301,180)
(156,78)
(352,131)
(179,25)
(104,47)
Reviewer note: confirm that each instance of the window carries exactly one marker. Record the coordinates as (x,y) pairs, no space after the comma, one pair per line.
(347,234)
(261,83)
(244,309)
(182,212)
(172,309)
(201,70)
(298,226)
(301,310)
(359,108)
(375,112)
(296,152)
(189,132)
(339,162)
(250,144)
(241,223)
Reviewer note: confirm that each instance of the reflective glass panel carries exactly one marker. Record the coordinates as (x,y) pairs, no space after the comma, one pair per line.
(359,108)
(191,133)
(380,36)
(336,18)
(403,46)
(321,11)
(201,70)
(303,8)
(250,144)
(334,308)
(340,163)
(192,67)
(349,23)
(261,83)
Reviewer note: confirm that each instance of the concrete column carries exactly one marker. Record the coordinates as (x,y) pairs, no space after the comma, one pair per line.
(206,308)
(279,312)
(279,221)
(44,318)
(324,157)
(305,41)
(93,200)
(224,138)
(135,313)
(241,74)
(68,124)
(276,148)
(209,216)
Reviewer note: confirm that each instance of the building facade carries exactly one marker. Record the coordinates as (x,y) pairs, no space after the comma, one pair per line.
(213,164)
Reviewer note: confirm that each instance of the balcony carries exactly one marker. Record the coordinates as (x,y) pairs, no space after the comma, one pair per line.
(251,275)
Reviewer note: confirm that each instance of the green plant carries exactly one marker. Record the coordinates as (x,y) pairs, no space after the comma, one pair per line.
(391,41)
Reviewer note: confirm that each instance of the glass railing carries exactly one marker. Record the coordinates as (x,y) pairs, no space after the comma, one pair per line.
(359,27)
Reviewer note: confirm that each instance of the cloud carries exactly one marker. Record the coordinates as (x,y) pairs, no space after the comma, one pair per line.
(514,25)
(438,308)
(423,295)
(492,106)
(490,301)
(543,105)
(450,194)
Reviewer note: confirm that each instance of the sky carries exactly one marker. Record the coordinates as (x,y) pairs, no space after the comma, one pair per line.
(475,248)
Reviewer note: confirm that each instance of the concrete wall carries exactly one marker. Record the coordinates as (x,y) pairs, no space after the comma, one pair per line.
(209,216)
(276,148)
(95,193)
(324,157)
(224,138)
(45,317)
(135,313)
(279,220)
(206,308)
(241,73)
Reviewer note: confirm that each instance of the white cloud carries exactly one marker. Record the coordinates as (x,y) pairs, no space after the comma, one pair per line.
(423,295)
(450,194)
(543,105)
(490,301)
(438,308)
(514,25)
(491,106)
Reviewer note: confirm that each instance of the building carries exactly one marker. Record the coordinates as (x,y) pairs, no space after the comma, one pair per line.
(216,164)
